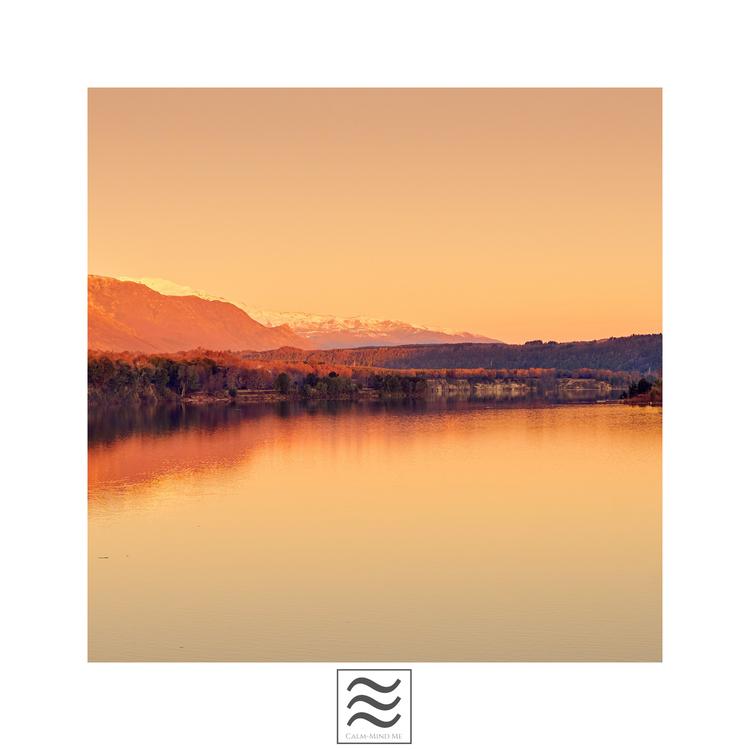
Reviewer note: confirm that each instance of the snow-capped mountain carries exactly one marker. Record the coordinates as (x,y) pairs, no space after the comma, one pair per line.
(333,332)
(330,331)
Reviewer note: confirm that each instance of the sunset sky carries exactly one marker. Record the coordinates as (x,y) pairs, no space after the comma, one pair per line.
(515,213)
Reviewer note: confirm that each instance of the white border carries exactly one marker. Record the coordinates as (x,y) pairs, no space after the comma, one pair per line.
(51,52)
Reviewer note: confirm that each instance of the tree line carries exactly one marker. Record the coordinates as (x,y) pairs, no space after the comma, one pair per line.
(637,353)
(163,378)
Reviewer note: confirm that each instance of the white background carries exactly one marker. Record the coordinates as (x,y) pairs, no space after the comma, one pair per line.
(51,52)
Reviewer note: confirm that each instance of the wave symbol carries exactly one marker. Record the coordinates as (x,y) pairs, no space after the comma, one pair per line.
(374,703)
(374,685)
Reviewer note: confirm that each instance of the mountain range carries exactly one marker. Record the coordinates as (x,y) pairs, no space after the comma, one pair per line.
(131,316)
(319,331)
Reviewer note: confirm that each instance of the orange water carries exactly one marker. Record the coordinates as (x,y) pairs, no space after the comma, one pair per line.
(473,533)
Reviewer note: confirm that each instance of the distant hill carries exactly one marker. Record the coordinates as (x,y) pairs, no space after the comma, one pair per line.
(328,331)
(127,316)
(638,353)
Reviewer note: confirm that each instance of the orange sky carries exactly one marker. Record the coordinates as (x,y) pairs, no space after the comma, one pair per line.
(514,213)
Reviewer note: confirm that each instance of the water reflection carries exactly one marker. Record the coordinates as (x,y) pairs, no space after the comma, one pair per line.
(107,424)
(376,531)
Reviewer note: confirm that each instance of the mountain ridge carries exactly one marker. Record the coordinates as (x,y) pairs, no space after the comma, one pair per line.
(128,316)
(324,331)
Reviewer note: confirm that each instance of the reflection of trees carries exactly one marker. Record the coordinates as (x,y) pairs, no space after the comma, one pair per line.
(108,424)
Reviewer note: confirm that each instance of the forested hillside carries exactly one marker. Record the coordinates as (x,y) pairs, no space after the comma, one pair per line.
(638,353)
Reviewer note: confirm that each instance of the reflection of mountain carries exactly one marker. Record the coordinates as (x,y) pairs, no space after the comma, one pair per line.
(126,316)
(330,331)
(137,446)
(140,446)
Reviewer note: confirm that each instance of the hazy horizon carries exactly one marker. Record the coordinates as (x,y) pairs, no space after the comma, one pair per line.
(516,214)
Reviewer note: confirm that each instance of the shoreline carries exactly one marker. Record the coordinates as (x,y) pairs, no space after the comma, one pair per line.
(371,396)
(642,399)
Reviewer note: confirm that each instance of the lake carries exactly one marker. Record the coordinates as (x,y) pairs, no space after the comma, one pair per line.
(428,531)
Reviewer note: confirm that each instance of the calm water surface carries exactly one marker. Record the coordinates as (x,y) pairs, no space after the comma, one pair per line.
(356,532)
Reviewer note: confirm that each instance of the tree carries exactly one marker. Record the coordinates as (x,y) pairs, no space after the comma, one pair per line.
(643,386)
(282,383)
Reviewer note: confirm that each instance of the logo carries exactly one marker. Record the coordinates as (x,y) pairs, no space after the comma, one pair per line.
(373,706)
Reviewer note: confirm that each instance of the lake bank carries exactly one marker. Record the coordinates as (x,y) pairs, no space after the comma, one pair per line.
(391,388)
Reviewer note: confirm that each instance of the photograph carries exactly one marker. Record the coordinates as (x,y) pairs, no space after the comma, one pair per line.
(374,375)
